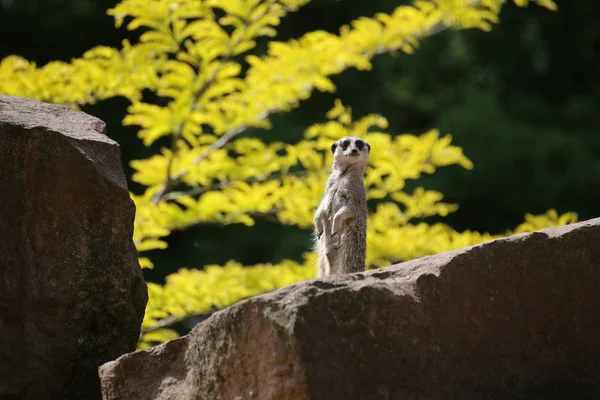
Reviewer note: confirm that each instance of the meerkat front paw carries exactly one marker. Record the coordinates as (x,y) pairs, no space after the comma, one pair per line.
(318,231)
(319,224)
(339,219)
(334,231)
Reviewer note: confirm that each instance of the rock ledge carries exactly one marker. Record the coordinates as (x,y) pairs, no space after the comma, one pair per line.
(511,318)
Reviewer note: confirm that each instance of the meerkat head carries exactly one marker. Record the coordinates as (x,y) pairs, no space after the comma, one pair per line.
(350,151)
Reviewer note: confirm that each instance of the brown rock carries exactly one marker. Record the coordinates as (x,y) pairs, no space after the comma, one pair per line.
(72,295)
(512,318)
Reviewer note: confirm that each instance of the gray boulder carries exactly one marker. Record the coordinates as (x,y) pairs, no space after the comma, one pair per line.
(72,294)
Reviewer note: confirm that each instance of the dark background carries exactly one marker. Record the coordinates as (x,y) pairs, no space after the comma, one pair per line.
(522,101)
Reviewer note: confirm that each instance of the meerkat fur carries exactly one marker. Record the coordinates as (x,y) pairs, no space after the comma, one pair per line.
(340,224)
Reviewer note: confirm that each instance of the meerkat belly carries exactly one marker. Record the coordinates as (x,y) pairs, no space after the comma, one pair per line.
(340,200)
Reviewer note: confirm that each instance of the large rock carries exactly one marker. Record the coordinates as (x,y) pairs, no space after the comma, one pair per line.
(512,318)
(72,295)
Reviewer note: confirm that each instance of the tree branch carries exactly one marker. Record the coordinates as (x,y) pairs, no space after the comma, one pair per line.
(223,140)
(168,180)
(172,180)
(203,189)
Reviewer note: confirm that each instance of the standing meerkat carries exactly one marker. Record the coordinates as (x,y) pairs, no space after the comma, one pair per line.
(341,218)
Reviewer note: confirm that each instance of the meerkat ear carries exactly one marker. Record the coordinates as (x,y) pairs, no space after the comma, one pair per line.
(368,147)
(333,147)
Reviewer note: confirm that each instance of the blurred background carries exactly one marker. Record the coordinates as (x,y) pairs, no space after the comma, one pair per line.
(523,101)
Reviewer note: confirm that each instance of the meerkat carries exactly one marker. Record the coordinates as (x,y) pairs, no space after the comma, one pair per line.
(340,224)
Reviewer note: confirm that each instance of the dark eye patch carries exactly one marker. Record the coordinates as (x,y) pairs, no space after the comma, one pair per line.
(360,144)
(345,144)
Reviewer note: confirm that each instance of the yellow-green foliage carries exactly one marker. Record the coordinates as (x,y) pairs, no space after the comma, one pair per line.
(191,59)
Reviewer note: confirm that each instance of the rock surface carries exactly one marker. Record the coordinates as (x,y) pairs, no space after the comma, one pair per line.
(515,318)
(72,295)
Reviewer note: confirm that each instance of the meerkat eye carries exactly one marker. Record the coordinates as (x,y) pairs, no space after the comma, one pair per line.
(345,144)
(360,144)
